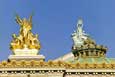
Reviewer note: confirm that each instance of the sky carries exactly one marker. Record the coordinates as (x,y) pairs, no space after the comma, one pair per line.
(55,21)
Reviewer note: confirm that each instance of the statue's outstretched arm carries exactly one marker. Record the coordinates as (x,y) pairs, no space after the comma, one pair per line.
(18,20)
(30,19)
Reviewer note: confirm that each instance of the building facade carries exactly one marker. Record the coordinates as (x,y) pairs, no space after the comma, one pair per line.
(86,59)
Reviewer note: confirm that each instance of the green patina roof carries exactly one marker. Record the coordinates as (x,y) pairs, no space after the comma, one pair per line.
(95,60)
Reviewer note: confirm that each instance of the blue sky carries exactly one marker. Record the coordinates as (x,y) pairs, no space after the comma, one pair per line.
(55,20)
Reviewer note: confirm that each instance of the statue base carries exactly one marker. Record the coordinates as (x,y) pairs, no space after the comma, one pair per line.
(25,51)
(26,54)
(26,57)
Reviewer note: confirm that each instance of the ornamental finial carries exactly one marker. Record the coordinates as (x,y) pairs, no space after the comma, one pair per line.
(84,45)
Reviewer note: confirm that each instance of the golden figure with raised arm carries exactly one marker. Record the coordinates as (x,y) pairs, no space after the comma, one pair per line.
(25,39)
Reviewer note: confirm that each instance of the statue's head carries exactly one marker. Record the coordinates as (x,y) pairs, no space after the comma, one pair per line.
(27,24)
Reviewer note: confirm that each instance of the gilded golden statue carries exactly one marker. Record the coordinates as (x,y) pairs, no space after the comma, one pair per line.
(25,39)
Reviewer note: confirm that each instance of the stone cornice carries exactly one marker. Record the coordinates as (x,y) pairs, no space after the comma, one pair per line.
(51,64)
